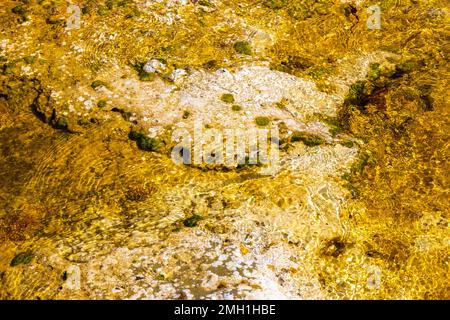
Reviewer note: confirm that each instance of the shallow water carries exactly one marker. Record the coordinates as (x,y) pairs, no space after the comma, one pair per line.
(85,213)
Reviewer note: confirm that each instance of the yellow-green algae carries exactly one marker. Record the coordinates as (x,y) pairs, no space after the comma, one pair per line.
(52,181)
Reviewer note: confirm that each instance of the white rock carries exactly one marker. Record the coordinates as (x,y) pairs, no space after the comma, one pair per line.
(177,75)
(154,66)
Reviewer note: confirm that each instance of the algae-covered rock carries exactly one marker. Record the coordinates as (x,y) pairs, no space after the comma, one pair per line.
(243,47)
(98,84)
(236,107)
(22,258)
(275,4)
(309,140)
(21,12)
(192,221)
(227,98)
(262,121)
(61,123)
(102,103)
(144,142)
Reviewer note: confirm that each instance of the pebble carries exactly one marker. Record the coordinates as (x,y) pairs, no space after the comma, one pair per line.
(177,75)
(154,66)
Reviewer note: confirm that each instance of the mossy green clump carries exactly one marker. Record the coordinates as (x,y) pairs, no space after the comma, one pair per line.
(102,103)
(320,72)
(363,161)
(160,277)
(21,12)
(102,11)
(192,221)
(227,98)
(307,139)
(333,123)
(126,115)
(236,107)
(29,59)
(243,47)
(143,76)
(348,143)
(275,4)
(134,135)
(293,64)
(22,258)
(148,144)
(205,3)
(143,142)
(405,67)
(262,121)
(86,9)
(97,84)
(61,124)
(109,4)
(374,72)
(7,68)
(356,94)
(352,189)
(53,21)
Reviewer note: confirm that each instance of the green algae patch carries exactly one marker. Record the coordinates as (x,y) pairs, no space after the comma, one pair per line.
(8,68)
(243,47)
(356,94)
(192,221)
(348,143)
(102,11)
(275,4)
(61,124)
(307,139)
(143,75)
(22,258)
(97,84)
(262,121)
(333,124)
(29,59)
(205,3)
(374,72)
(236,107)
(102,103)
(227,98)
(21,12)
(143,142)
(363,161)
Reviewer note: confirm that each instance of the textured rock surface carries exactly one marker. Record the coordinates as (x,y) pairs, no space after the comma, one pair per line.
(361,212)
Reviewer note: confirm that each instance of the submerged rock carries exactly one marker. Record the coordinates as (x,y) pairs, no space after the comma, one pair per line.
(22,258)
(154,66)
